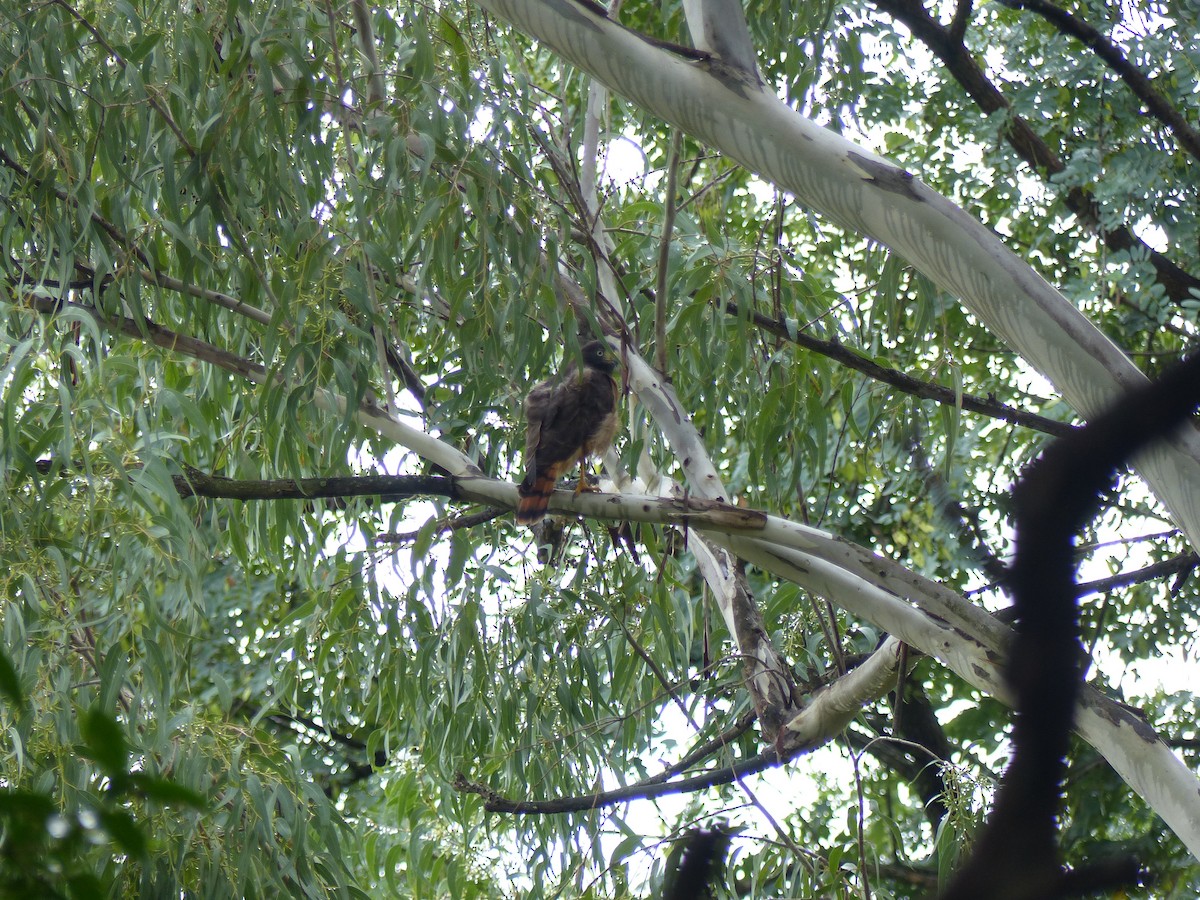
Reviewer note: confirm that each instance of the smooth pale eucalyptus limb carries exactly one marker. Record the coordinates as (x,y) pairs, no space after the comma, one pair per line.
(871,195)
(834,707)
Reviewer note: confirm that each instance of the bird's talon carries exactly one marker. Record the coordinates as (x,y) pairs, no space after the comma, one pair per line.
(585,484)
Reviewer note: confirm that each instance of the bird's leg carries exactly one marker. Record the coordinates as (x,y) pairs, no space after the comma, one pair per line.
(582,485)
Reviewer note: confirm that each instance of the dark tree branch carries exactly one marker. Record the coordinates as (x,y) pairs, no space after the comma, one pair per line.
(454,523)
(148,330)
(494,801)
(399,365)
(1141,86)
(1182,564)
(388,488)
(962,15)
(292,720)
(194,483)
(325,736)
(1017,856)
(1029,146)
(899,380)
(692,873)
(717,745)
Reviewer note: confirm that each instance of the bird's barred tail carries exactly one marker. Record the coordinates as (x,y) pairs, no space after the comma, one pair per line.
(531,508)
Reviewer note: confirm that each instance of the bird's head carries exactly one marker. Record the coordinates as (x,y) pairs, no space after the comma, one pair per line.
(599,355)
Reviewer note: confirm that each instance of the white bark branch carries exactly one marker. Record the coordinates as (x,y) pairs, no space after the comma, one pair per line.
(834,707)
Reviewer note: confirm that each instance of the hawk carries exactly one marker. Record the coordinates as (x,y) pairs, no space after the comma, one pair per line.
(569,418)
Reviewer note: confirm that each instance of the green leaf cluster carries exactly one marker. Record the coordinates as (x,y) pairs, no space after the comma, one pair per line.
(221,242)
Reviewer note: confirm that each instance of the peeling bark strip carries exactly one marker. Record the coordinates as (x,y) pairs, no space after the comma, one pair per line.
(1017,855)
(888,176)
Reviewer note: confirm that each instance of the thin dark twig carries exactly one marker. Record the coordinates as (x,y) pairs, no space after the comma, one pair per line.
(453,523)
(1183,564)
(1140,85)
(902,381)
(494,801)
(656,669)
(146,329)
(709,748)
(860,822)
(1177,565)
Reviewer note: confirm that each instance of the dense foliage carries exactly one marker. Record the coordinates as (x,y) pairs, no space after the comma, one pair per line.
(219,219)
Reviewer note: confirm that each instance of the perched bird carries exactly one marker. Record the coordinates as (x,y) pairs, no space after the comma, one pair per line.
(569,418)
